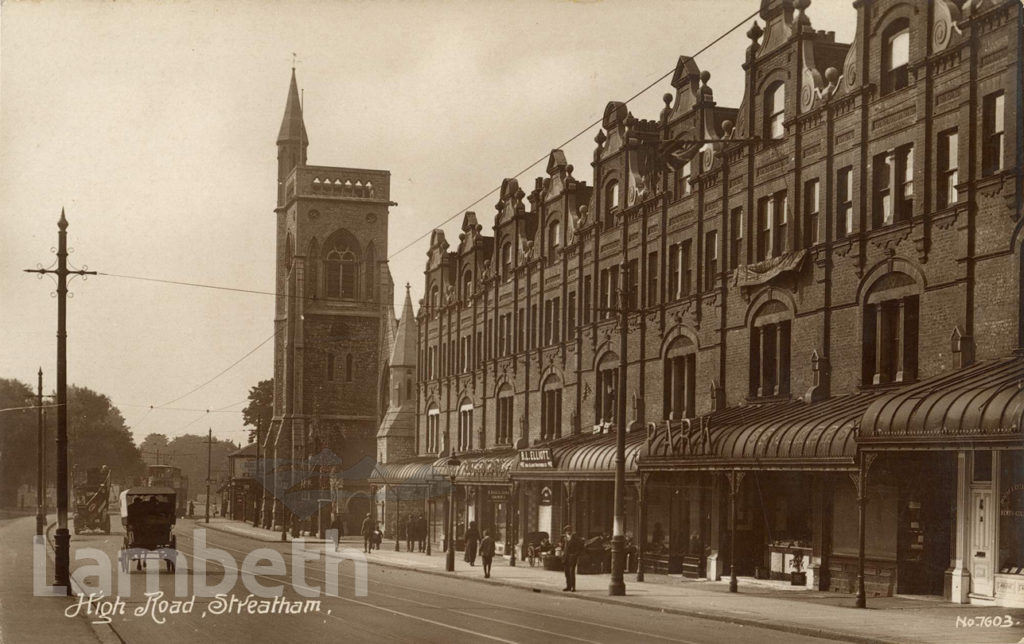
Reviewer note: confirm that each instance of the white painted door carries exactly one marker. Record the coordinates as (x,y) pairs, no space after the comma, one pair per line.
(982,534)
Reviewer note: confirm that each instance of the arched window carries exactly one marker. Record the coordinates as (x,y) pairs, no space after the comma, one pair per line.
(506,260)
(680,379)
(348,368)
(465,442)
(435,298)
(606,400)
(330,367)
(467,284)
(770,351)
(313,261)
(554,237)
(611,200)
(370,272)
(433,437)
(341,266)
(551,409)
(895,56)
(890,331)
(503,419)
(775,111)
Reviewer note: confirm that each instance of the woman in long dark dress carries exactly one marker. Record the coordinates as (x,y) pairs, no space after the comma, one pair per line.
(472,537)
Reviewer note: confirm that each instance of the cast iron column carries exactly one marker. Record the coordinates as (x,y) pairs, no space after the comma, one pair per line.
(617,585)
(62,537)
(41,482)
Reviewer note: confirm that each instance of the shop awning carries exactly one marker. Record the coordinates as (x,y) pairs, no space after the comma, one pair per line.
(981,405)
(480,467)
(785,435)
(585,456)
(420,471)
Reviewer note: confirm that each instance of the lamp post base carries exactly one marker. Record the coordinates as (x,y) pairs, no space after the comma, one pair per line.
(62,559)
(617,586)
(449,562)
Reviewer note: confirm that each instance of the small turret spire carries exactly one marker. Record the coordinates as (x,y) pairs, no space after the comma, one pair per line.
(293,129)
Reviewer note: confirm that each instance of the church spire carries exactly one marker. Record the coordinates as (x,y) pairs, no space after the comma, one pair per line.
(293,130)
(291,140)
(404,352)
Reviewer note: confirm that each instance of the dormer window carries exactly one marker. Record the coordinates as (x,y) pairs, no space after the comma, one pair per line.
(684,179)
(554,238)
(775,111)
(611,202)
(506,260)
(896,57)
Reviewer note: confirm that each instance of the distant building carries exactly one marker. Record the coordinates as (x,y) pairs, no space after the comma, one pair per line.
(333,320)
(823,287)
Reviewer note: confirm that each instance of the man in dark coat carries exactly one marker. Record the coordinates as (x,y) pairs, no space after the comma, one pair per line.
(572,548)
(487,552)
(367,531)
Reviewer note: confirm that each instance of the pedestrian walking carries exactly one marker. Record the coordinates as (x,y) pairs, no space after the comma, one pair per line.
(572,548)
(421,532)
(472,536)
(378,536)
(367,531)
(487,552)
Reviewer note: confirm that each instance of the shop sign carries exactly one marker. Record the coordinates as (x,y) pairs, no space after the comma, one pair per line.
(497,495)
(535,459)
(1011,504)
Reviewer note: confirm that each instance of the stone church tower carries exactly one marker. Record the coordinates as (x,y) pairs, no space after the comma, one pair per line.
(334,322)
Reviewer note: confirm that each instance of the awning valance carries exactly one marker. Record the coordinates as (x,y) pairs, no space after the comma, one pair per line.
(419,471)
(585,456)
(480,467)
(790,435)
(979,405)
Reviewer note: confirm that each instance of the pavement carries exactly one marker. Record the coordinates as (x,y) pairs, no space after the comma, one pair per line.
(765,604)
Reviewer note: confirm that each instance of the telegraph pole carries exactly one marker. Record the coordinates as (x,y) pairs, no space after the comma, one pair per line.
(62,537)
(257,489)
(41,482)
(209,458)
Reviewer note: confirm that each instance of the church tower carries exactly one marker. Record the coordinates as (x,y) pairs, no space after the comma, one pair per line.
(333,321)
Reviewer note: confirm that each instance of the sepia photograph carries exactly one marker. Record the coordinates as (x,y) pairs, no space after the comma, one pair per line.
(532,321)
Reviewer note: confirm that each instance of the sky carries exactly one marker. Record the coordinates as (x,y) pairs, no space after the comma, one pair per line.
(153,126)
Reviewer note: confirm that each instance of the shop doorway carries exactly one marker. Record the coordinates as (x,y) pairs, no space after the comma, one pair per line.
(925,523)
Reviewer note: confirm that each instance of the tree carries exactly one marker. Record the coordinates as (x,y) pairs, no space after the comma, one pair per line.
(97,435)
(154,449)
(258,412)
(18,440)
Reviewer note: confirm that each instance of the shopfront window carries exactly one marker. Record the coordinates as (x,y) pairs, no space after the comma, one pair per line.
(1011,513)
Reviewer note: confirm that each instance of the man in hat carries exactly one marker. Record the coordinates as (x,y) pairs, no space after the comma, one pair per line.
(572,548)
(367,531)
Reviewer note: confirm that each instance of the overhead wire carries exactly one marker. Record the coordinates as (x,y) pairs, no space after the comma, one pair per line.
(408,245)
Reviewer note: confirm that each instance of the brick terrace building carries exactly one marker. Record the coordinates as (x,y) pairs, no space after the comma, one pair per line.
(824,296)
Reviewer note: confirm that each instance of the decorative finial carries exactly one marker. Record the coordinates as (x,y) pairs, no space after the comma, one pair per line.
(63,223)
(407,287)
(755,32)
(667,99)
